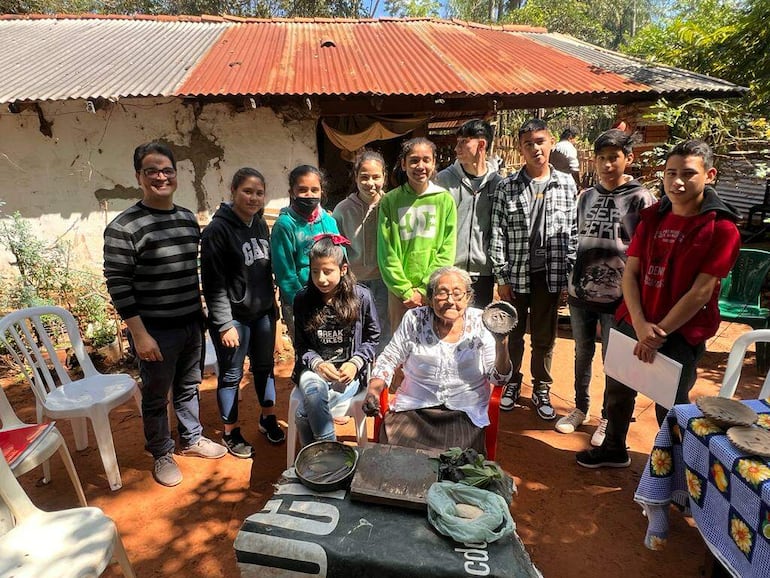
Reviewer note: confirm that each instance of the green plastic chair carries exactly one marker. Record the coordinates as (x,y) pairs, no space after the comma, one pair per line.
(739,297)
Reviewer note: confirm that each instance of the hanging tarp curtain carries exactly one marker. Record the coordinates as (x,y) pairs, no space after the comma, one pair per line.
(353,132)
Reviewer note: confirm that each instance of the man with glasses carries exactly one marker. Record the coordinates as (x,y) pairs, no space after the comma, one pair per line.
(151,268)
(533,228)
(472,181)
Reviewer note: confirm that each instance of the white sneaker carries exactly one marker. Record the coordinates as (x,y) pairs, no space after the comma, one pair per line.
(601,432)
(570,422)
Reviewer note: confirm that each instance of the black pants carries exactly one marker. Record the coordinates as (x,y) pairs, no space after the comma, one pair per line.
(620,399)
(542,308)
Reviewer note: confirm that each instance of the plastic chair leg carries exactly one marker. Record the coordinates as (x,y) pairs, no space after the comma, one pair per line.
(360,418)
(101,423)
(80,432)
(291,435)
(47,472)
(67,459)
(119,553)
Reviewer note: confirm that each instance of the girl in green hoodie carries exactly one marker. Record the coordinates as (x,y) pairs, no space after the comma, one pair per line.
(416,230)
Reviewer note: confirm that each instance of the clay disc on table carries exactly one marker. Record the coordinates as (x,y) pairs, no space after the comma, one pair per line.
(726,412)
(500,317)
(752,440)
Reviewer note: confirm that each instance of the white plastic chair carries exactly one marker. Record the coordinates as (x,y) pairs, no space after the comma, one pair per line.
(33,347)
(69,543)
(210,362)
(353,408)
(735,363)
(41,449)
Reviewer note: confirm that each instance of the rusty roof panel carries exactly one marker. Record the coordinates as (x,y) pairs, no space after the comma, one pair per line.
(63,58)
(399,57)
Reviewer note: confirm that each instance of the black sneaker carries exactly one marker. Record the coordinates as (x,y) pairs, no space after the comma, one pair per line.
(268,425)
(510,395)
(236,445)
(541,399)
(603,458)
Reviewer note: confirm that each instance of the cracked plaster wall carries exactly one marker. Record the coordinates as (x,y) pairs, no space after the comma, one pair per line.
(74,182)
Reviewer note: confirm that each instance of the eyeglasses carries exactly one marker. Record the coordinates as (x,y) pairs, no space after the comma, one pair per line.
(153,173)
(443,295)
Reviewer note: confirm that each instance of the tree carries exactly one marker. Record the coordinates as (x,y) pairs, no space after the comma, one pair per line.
(608,23)
(726,39)
(413,8)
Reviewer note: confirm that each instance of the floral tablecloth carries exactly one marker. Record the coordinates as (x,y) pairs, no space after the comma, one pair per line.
(694,465)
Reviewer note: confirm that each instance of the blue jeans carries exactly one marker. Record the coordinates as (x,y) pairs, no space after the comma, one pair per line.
(257,340)
(379,293)
(180,372)
(314,413)
(584,324)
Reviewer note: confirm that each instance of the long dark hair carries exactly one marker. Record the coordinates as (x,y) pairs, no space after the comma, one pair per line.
(406,148)
(344,301)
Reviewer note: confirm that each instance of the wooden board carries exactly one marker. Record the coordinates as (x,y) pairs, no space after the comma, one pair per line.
(395,476)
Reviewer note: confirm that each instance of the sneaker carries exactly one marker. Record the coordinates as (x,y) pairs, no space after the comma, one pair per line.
(510,395)
(166,472)
(603,458)
(204,448)
(601,432)
(236,445)
(541,399)
(570,422)
(268,425)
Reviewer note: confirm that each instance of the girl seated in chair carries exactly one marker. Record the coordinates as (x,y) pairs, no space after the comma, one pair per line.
(336,334)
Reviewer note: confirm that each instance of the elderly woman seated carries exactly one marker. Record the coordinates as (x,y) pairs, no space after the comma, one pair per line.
(449,359)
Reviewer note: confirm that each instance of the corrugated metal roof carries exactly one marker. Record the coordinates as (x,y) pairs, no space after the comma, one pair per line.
(416,57)
(89,56)
(63,58)
(659,78)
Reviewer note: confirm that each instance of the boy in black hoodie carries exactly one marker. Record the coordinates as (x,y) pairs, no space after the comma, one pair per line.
(607,217)
(683,246)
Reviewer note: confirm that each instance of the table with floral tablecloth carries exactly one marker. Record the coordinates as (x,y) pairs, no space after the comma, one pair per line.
(694,465)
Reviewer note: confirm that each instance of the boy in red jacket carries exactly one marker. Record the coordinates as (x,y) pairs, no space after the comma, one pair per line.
(681,249)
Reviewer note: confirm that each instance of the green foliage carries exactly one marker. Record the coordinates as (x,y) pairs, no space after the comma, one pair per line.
(728,126)
(608,23)
(46,278)
(726,39)
(413,8)
(255,8)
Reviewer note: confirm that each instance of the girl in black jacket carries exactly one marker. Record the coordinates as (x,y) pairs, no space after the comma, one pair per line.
(238,287)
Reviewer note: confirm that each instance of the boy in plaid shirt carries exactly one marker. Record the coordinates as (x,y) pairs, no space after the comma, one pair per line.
(533,229)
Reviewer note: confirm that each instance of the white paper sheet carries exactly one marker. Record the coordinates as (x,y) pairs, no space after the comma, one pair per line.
(657,380)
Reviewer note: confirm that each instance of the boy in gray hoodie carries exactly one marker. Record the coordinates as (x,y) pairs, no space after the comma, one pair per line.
(472,181)
(607,215)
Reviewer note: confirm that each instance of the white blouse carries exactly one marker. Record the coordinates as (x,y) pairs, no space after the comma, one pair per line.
(456,375)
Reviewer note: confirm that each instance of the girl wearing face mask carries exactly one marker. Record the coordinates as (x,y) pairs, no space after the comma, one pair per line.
(293,233)
(356,217)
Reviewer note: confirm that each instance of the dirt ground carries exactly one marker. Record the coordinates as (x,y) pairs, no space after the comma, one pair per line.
(574,522)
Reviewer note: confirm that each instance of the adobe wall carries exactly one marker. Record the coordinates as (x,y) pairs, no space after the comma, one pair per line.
(70,171)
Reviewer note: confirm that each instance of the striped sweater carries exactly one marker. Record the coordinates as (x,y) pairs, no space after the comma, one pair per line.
(151,265)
